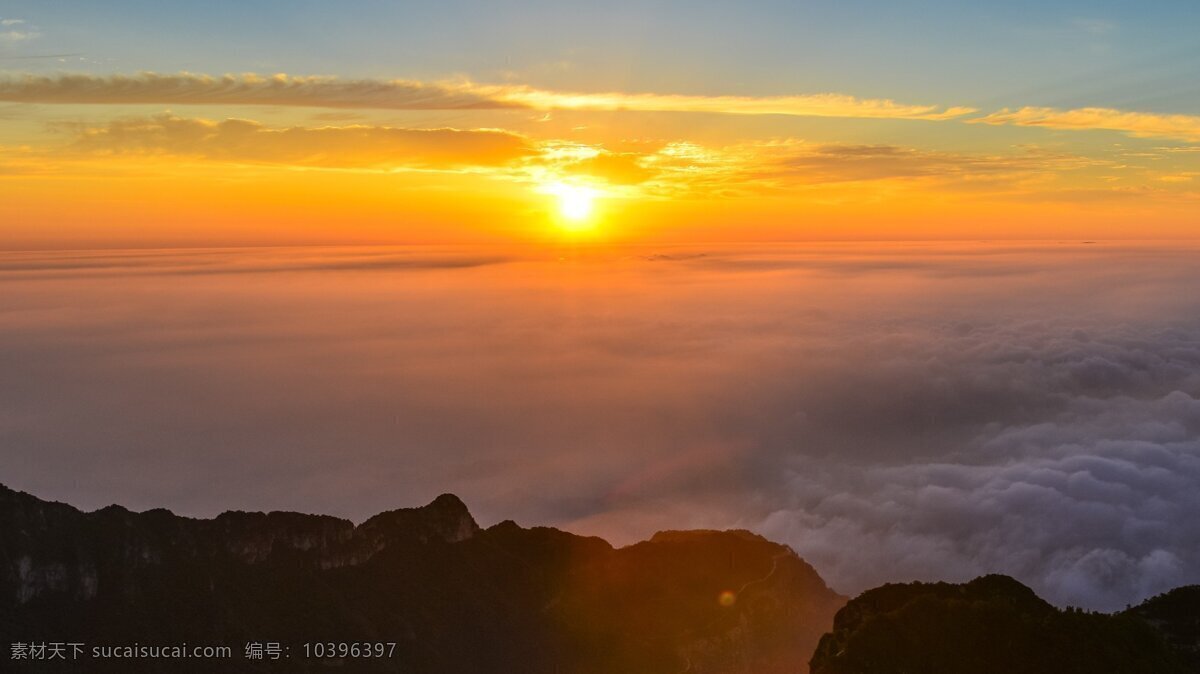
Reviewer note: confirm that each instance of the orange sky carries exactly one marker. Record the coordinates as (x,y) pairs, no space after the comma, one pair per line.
(150,160)
(126,124)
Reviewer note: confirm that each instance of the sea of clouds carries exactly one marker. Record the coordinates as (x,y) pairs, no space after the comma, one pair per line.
(892,411)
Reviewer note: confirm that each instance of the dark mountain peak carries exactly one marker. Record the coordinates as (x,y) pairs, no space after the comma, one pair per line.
(23,516)
(113,510)
(1175,615)
(11,498)
(506,525)
(1183,600)
(545,542)
(991,625)
(445,519)
(448,503)
(999,586)
(894,596)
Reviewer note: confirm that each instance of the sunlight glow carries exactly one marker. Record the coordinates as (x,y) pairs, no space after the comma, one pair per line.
(575,204)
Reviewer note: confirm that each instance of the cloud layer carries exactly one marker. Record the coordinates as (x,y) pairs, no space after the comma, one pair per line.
(892,413)
(655,170)
(332,92)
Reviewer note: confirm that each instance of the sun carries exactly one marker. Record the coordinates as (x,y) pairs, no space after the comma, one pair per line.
(575,205)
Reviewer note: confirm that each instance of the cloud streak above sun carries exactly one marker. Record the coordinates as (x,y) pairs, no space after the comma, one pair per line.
(399,94)
(332,92)
(247,89)
(817,105)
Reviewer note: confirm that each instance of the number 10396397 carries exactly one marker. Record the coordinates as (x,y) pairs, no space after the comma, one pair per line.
(351,649)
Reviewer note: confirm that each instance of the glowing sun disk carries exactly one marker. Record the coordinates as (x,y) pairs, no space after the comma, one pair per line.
(574,201)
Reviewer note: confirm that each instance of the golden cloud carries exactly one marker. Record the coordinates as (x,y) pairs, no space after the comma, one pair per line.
(1140,124)
(617,168)
(816,105)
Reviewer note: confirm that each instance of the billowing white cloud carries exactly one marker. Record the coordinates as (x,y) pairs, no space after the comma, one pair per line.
(1095,506)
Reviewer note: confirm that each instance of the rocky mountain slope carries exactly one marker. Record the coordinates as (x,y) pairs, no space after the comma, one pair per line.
(452,596)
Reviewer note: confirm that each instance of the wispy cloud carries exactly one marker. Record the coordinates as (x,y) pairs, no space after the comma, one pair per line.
(16,36)
(1094,27)
(1140,124)
(779,166)
(15,31)
(34,57)
(829,163)
(334,146)
(815,105)
(249,89)
(330,92)
(27,266)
